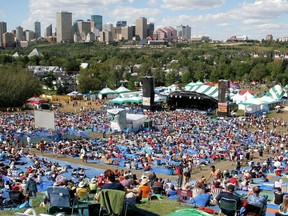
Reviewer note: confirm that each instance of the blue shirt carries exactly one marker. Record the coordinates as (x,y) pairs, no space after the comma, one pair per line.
(258,200)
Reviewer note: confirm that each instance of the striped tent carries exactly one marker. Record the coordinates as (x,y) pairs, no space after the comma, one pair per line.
(205,89)
(277,92)
(192,85)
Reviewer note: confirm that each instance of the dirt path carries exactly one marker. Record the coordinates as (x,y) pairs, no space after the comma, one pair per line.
(222,165)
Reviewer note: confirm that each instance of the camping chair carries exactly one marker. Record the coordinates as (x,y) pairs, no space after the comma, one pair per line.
(183,195)
(229,205)
(112,202)
(60,200)
(253,208)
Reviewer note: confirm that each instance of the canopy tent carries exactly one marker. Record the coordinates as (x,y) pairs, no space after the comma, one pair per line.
(122,89)
(286,86)
(208,90)
(134,99)
(107,92)
(34,102)
(117,119)
(268,99)
(74,93)
(118,100)
(135,121)
(277,92)
(192,85)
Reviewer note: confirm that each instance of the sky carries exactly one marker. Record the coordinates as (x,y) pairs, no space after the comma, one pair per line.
(218,19)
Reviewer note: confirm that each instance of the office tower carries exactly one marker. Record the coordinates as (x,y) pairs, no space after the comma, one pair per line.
(3,29)
(108,27)
(105,36)
(64,26)
(126,32)
(269,37)
(48,32)
(184,32)
(141,28)
(150,29)
(98,21)
(8,39)
(19,33)
(29,35)
(37,30)
(83,27)
(121,23)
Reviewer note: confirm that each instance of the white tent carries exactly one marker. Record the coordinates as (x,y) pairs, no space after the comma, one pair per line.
(122,89)
(118,100)
(277,92)
(135,121)
(117,119)
(108,92)
(34,52)
(74,93)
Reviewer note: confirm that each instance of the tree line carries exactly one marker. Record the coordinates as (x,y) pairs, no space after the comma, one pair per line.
(179,63)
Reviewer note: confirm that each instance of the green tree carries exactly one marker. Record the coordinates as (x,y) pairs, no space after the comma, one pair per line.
(16,86)
(259,72)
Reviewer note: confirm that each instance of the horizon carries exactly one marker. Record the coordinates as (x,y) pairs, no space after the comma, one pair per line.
(217,19)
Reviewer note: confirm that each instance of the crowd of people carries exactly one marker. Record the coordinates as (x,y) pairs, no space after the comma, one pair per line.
(180,140)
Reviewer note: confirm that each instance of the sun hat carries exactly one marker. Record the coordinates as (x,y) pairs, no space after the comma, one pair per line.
(144,181)
(81,184)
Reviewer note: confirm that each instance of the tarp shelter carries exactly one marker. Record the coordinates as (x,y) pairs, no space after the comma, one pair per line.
(135,121)
(122,89)
(106,93)
(34,102)
(117,119)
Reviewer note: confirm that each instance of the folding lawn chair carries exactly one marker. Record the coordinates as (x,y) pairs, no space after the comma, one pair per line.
(228,205)
(60,200)
(112,202)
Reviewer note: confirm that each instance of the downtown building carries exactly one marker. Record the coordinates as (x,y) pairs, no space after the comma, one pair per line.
(184,32)
(3,29)
(37,29)
(64,31)
(141,28)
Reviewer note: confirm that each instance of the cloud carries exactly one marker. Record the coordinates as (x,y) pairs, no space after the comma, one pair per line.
(152,2)
(259,11)
(45,11)
(191,4)
(130,13)
(2,13)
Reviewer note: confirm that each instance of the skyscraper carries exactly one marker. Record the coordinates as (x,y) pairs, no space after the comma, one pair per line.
(64,26)
(37,31)
(98,21)
(3,29)
(48,32)
(19,33)
(141,27)
(121,23)
(184,32)
(150,29)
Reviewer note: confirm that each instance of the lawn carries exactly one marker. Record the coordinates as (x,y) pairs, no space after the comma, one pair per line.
(151,208)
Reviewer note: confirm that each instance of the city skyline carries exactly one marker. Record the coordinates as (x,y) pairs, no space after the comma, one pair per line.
(218,19)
